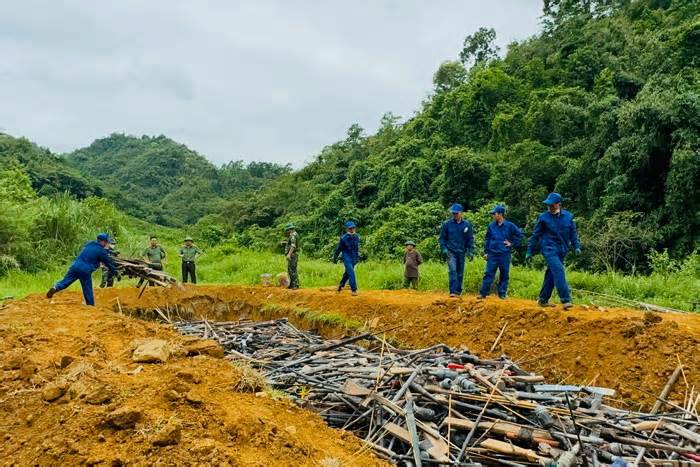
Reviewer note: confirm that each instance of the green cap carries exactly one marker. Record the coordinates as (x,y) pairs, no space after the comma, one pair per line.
(189,239)
(410,242)
(290,226)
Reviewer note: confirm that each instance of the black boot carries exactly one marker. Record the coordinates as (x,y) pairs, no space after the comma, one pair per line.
(52,291)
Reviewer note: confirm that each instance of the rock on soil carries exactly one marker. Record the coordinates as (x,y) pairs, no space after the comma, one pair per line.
(194,398)
(53,391)
(65,361)
(123,418)
(99,395)
(204,347)
(169,435)
(151,351)
(202,447)
(189,377)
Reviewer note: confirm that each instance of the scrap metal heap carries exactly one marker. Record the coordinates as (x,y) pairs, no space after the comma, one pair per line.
(439,406)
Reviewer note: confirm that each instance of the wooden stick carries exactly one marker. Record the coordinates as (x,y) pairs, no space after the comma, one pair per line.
(667,389)
(499,337)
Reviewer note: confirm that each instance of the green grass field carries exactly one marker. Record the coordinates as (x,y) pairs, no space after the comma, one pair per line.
(223,265)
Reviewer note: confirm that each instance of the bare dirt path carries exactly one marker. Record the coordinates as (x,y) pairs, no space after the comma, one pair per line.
(628,350)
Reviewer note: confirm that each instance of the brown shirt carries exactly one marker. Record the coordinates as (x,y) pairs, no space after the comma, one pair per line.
(412,259)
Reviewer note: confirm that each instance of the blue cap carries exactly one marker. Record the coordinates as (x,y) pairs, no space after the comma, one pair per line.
(553,198)
(350,225)
(455,208)
(102,237)
(498,209)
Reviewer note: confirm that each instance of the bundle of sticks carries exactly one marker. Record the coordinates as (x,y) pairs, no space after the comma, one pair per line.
(439,406)
(133,268)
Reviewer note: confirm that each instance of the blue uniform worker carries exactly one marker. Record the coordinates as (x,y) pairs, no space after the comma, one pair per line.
(555,234)
(87,261)
(349,248)
(456,241)
(502,237)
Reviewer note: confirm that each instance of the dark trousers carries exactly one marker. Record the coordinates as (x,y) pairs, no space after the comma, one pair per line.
(157,267)
(555,276)
(455,268)
(348,274)
(292,272)
(107,278)
(410,282)
(77,274)
(496,262)
(188,268)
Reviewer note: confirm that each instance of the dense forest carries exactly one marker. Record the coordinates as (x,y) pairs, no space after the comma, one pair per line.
(159,180)
(48,174)
(602,106)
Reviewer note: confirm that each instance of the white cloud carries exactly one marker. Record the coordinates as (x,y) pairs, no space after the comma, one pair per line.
(253,80)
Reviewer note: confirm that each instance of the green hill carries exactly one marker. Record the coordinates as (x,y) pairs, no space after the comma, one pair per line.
(162,181)
(48,173)
(603,106)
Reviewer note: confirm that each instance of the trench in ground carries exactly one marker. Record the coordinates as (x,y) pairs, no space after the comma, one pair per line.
(330,327)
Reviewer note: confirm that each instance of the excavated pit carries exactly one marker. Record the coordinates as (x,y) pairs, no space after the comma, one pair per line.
(627,350)
(212,308)
(206,309)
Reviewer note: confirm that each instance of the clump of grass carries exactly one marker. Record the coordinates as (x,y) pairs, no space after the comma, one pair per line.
(276,394)
(326,318)
(249,379)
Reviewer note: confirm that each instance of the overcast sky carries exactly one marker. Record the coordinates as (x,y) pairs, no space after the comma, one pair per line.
(272,80)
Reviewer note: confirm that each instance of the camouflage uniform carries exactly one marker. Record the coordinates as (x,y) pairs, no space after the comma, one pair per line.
(293,259)
(107,276)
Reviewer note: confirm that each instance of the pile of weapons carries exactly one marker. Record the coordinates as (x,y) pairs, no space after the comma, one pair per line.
(133,268)
(438,406)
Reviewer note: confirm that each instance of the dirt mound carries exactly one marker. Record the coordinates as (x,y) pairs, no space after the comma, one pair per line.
(628,350)
(72,393)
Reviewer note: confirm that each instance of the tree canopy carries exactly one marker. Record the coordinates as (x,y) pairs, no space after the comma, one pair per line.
(602,106)
(162,181)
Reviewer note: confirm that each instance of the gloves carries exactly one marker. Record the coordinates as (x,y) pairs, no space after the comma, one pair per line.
(443,254)
(578,251)
(470,255)
(119,276)
(528,257)
(335,259)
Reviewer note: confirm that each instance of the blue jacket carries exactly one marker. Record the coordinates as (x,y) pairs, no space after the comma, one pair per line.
(457,238)
(497,234)
(348,246)
(554,233)
(91,256)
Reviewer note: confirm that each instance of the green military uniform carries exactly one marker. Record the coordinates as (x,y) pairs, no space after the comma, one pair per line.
(189,255)
(107,276)
(292,259)
(155,256)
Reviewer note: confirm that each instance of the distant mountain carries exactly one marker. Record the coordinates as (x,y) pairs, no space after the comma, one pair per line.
(162,181)
(49,174)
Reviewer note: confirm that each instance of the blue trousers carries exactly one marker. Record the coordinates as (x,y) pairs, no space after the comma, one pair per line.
(455,268)
(555,276)
(76,273)
(349,274)
(496,262)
